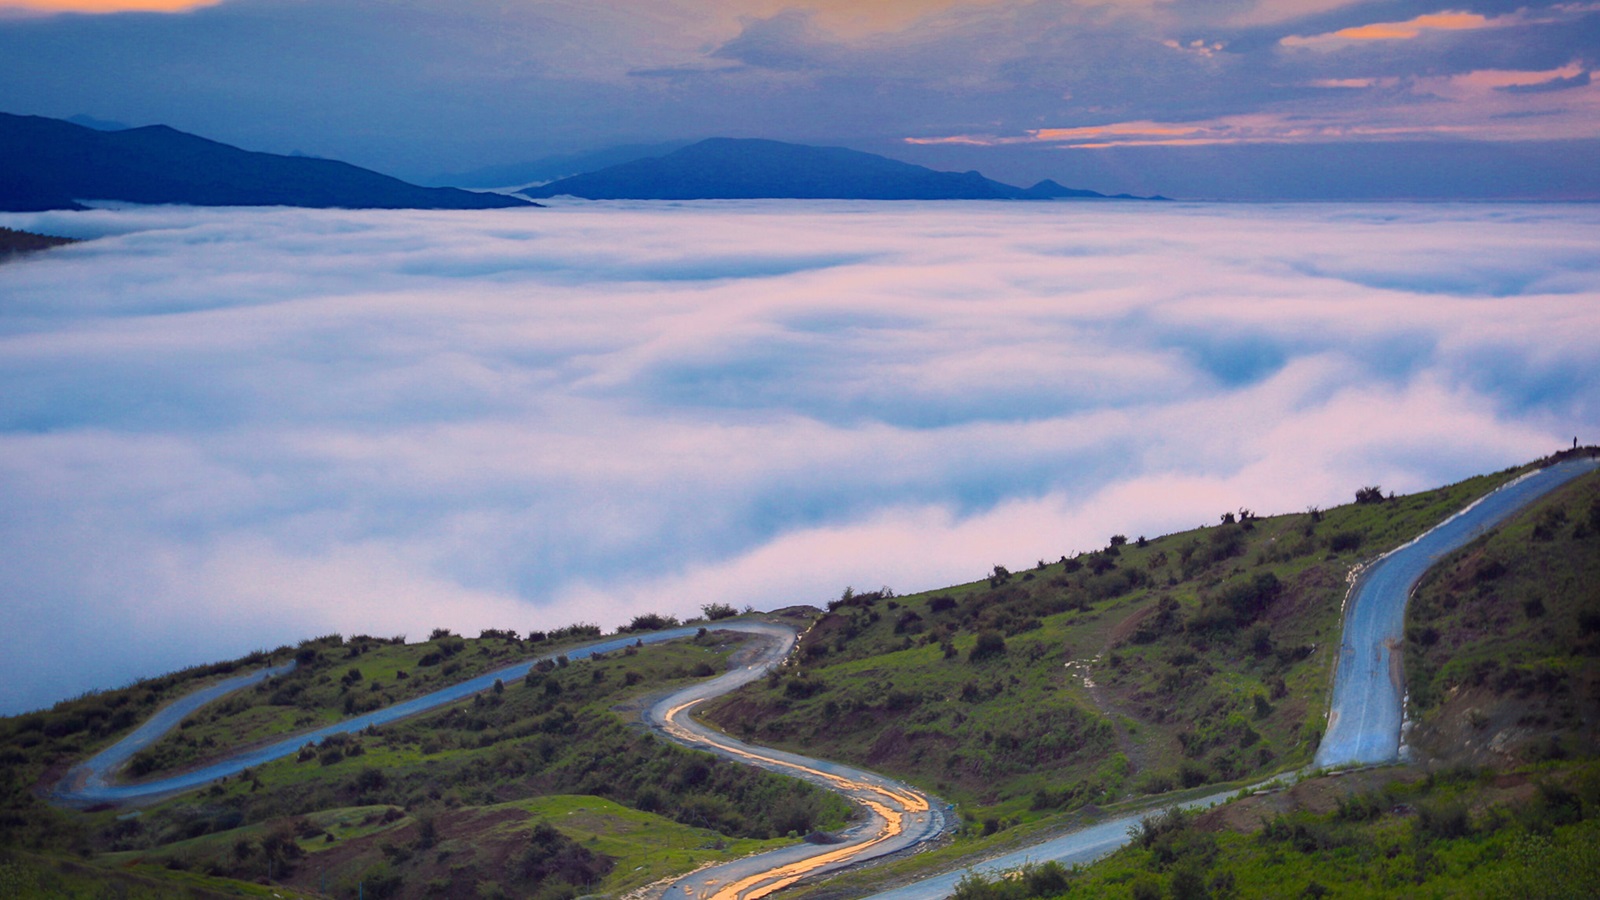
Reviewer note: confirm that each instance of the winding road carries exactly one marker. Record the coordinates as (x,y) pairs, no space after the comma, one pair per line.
(897,816)
(90,782)
(1364,724)
(1364,716)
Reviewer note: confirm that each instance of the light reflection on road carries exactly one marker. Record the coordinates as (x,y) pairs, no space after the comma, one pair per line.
(898,816)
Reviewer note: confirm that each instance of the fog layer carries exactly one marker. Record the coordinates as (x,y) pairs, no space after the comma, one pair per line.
(231,429)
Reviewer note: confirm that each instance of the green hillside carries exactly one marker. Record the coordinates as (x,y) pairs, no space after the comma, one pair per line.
(1197,658)
(1502,799)
(534,789)
(1033,698)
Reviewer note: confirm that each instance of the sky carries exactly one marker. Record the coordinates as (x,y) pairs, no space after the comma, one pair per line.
(1234,99)
(231,429)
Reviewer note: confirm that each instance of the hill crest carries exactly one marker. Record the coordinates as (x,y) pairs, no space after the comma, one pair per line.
(754,168)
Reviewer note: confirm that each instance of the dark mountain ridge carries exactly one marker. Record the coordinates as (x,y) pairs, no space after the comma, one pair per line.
(748,169)
(52,164)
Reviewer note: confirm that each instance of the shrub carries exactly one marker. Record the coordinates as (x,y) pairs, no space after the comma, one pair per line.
(1193,775)
(990,644)
(1344,541)
(716,611)
(650,622)
(1145,887)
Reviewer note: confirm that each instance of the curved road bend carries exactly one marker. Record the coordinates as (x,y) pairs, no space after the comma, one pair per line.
(1364,715)
(898,816)
(90,782)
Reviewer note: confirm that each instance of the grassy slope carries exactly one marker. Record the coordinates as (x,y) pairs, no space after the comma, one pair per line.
(1504,693)
(337,678)
(486,774)
(1503,636)
(1200,657)
(1460,834)
(1112,683)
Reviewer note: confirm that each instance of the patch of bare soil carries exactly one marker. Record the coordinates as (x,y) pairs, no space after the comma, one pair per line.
(1115,708)
(1480,726)
(1315,795)
(1321,796)
(1125,629)
(1310,589)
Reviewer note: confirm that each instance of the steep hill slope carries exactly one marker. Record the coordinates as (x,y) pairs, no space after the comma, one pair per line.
(1031,697)
(1140,668)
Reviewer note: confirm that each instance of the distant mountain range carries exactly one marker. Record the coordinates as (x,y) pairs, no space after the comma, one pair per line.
(549,168)
(741,169)
(52,164)
(56,164)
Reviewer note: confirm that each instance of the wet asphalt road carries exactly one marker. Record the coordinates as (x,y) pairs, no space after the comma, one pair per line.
(90,783)
(1364,715)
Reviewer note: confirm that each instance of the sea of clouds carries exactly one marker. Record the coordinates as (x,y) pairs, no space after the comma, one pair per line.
(223,430)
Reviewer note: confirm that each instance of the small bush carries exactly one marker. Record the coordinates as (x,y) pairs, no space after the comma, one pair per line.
(1345,541)
(990,645)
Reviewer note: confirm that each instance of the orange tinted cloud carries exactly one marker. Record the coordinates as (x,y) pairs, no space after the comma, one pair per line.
(104,6)
(1398,31)
(1481,105)
(852,18)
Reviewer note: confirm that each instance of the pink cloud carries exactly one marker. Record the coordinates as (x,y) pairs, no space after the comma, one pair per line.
(481,420)
(46,7)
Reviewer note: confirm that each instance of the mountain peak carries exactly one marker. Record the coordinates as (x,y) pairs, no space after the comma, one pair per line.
(723,168)
(51,164)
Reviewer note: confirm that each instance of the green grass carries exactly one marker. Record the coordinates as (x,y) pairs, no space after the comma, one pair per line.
(335,679)
(488,771)
(25,876)
(647,847)
(1194,658)
(1201,657)
(1505,632)
(1433,838)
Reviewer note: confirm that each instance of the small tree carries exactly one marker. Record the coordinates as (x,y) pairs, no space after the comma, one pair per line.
(715,611)
(1370,494)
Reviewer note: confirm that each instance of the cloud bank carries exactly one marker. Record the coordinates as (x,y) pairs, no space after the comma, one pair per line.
(231,429)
